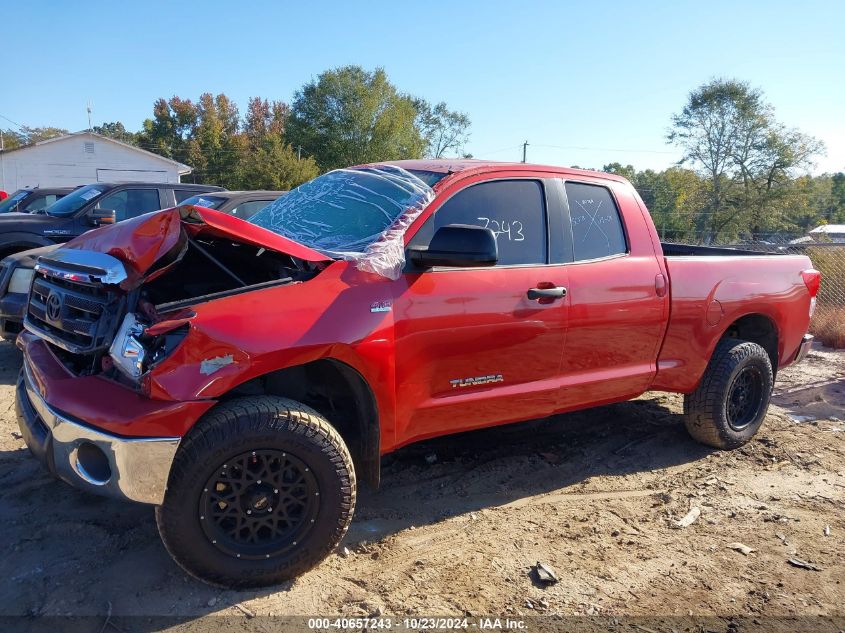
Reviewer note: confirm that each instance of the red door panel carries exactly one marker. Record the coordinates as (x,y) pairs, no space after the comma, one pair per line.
(615,325)
(617,312)
(473,350)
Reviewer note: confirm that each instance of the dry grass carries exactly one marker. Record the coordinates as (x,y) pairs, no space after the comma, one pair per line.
(828,325)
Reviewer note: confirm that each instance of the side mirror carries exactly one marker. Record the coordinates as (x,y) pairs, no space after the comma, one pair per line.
(99,217)
(457,245)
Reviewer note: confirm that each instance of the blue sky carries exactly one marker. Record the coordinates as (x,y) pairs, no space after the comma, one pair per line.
(584,83)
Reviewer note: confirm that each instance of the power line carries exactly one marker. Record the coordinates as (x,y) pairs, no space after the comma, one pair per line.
(503,149)
(12,122)
(606,149)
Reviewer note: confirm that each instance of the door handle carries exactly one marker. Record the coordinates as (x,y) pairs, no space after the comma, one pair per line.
(556,292)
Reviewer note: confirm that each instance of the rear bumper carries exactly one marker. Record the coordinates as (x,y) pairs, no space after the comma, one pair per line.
(804,348)
(130,469)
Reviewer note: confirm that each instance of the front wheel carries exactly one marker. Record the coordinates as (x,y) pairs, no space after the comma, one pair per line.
(261,490)
(730,403)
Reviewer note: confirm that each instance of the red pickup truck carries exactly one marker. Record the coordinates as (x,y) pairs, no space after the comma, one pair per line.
(242,376)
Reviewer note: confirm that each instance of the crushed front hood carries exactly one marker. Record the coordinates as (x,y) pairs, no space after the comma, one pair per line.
(141,242)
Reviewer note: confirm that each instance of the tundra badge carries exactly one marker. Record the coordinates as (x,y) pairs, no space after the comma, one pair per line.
(478,380)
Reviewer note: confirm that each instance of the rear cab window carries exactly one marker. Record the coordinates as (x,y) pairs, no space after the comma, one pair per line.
(597,230)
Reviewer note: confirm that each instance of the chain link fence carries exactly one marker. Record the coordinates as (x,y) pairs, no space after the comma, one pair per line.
(828,323)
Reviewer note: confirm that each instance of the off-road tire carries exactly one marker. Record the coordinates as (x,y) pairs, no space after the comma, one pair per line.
(707,409)
(256,423)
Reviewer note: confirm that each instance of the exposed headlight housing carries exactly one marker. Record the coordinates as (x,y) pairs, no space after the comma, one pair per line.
(127,351)
(135,352)
(21,280)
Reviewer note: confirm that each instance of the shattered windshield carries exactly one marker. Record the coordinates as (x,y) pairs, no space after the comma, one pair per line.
(343,212)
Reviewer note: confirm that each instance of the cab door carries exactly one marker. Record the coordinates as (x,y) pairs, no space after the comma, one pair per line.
(618,305)
(475,346)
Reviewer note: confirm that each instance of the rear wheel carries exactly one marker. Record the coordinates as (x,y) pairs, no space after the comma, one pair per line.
(730,403)
(261,490)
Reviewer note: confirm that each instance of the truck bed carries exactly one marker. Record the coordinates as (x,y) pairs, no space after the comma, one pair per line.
(670,249)
(712,290)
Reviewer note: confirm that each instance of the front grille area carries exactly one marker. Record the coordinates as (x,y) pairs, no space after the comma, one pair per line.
(77,316)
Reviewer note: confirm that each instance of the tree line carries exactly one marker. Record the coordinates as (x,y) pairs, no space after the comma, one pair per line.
(743,175)
(345,116)
(680,200)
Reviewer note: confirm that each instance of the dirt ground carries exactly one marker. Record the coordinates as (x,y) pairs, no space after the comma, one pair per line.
(460,521)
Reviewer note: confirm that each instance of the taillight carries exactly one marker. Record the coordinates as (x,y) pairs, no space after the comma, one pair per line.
(812,279)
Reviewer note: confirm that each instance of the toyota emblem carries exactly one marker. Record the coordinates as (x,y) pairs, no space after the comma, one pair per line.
(54,307)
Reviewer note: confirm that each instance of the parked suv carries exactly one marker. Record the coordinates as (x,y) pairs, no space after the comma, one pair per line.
(33,200)
(77,212)
(242,204)
(16,270)
(89,207)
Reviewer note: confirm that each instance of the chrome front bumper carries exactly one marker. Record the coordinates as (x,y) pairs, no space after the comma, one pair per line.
(131,469)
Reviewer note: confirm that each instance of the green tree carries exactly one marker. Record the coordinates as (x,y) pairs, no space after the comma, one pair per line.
(443,130)
(269,161)
(168,132)
(215,147)
(350,116)
(117,131)
(837,192)
(729,135)
(626,171)
(12,139)
(710,130)
(30,135)
(275,165)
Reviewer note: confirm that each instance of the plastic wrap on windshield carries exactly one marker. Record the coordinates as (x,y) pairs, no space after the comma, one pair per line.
(354,214)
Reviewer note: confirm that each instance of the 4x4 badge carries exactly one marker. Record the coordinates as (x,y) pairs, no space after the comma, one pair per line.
(381,306)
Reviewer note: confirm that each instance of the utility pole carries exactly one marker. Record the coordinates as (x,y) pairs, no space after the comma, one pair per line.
(524,150)
(89,106)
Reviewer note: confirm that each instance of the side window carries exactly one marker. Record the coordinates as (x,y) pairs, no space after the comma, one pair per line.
(142,201)
(115,202)
(39,203)
(596,226)
(514,210)
(247,209)
(131,202)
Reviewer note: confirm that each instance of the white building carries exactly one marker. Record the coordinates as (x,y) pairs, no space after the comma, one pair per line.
(829,233)
(83,158)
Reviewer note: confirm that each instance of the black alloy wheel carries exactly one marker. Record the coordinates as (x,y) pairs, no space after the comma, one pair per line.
(259,504)
(744,397)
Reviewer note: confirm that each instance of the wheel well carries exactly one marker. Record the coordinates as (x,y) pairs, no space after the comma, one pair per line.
(341,395)
(7,250)
(759,329)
